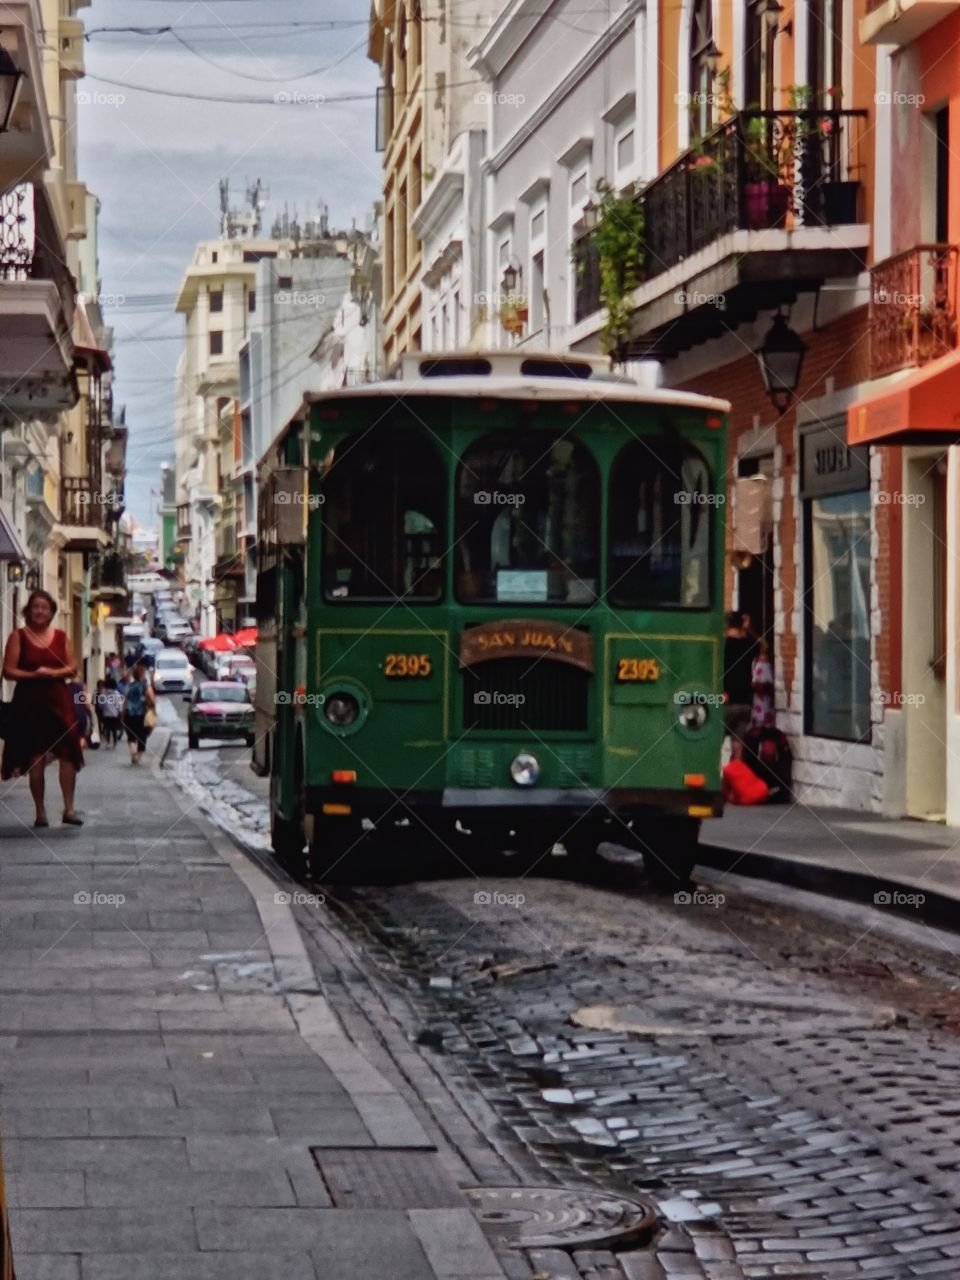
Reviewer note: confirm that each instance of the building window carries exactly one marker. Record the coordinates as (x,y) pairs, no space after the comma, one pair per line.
(624,148)
(285,282)
(836,580)
(455,336)
(538,224)
(252,300)
(216,300)
(701,78)
(579,189)
(216,342)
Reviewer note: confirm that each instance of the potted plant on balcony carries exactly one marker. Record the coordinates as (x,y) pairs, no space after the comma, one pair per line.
(619,244)
(768,154)
(841,196)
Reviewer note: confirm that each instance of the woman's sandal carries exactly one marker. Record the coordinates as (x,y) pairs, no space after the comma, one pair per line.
(72,820)
(41,822)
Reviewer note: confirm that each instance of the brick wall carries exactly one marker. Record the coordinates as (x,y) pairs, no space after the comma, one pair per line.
(837,357)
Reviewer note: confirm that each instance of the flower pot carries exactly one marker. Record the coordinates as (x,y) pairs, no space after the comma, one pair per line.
(765,204)
(840,201)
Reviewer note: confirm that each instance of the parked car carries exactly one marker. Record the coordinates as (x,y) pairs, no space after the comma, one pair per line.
(220,710)
(172,672)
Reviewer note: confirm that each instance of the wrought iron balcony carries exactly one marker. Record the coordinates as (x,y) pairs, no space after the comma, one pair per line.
(913,308)
(756,171)
(108,575)
(183,521)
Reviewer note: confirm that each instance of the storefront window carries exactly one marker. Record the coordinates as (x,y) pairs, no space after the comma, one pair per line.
(837,593)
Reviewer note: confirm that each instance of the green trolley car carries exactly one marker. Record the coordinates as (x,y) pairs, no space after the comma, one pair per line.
(490,603)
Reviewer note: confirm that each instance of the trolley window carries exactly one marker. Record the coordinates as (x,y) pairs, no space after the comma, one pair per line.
(662,505)
(384,518)
(528,521)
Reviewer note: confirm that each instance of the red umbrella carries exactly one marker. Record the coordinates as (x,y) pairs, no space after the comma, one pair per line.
(221,643)
(246,638)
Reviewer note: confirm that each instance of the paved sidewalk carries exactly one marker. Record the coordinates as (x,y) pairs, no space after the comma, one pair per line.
(172,1077)
(844,852)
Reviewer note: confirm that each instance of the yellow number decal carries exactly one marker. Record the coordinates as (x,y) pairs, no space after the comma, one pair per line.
(637,670)
(398,666)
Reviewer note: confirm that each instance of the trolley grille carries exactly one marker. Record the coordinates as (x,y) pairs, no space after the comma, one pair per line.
(537,694)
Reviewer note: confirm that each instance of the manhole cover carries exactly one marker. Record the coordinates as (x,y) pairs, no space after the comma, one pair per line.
(559,1217)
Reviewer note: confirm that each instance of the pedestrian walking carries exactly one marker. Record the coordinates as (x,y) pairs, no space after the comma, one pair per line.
(138,702)
(739,652)
(98,692)
(38,657)
(111,705)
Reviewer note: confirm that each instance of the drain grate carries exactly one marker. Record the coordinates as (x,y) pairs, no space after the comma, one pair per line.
(560,1217)
(364,1178)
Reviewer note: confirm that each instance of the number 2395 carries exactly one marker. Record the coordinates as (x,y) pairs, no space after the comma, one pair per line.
(400,666)
(637,670)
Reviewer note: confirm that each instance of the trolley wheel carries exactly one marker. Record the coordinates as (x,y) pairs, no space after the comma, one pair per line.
(250,740)
(193,742)
(669,848)
(335,850)
(288,844)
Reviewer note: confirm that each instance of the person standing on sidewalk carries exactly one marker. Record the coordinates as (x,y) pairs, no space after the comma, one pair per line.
(739,651)
(39,658)
(138,700)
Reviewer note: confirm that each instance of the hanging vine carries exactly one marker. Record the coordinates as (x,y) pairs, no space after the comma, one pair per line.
(618,240)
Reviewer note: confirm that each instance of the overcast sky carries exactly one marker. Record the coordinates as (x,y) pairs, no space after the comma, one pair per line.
(156,161)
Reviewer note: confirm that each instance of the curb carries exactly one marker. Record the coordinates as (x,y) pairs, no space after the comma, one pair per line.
(387,1115)
(941,909)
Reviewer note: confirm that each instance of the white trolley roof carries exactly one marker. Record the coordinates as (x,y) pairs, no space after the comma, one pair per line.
(515,375)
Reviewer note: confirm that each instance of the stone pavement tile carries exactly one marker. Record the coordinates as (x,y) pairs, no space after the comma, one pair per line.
(105,1047)
(245,1152)
(301,1078)
(47,1190)
(43,1122)
(266,1187)
(146,1229)
(59,1077)
(159,939)
(113,1155)
(347,1244)
(47,1266)
(88,958)
(234,1019)
(223,1077)
(454,1243)
(97,1095)
(161,1122)
(322,1126)
(16,978)
(205,1266)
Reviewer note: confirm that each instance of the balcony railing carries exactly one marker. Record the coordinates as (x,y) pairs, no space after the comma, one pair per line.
(183,520)
(759,169)
(586,265)
(28,236)
(108,573)
(80,502)
(913,308)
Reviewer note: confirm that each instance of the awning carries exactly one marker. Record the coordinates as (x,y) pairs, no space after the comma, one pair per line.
(922,408)
(11,548)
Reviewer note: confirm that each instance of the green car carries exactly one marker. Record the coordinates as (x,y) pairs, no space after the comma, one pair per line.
(220,709)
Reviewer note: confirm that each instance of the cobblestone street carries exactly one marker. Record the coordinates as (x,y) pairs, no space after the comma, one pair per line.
(784,1091)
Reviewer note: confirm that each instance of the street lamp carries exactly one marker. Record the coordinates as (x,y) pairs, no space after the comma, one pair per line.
(781,358)
(509,278)
(591,216)
(711,59)
(11,80)
(771,13)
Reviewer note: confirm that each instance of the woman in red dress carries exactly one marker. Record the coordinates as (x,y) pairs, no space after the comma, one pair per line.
(44,719)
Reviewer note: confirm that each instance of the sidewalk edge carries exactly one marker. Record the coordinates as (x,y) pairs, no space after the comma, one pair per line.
(861,887)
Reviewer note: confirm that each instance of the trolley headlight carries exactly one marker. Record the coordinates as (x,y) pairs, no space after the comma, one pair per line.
(341,709)
(692,711)
(525,769)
